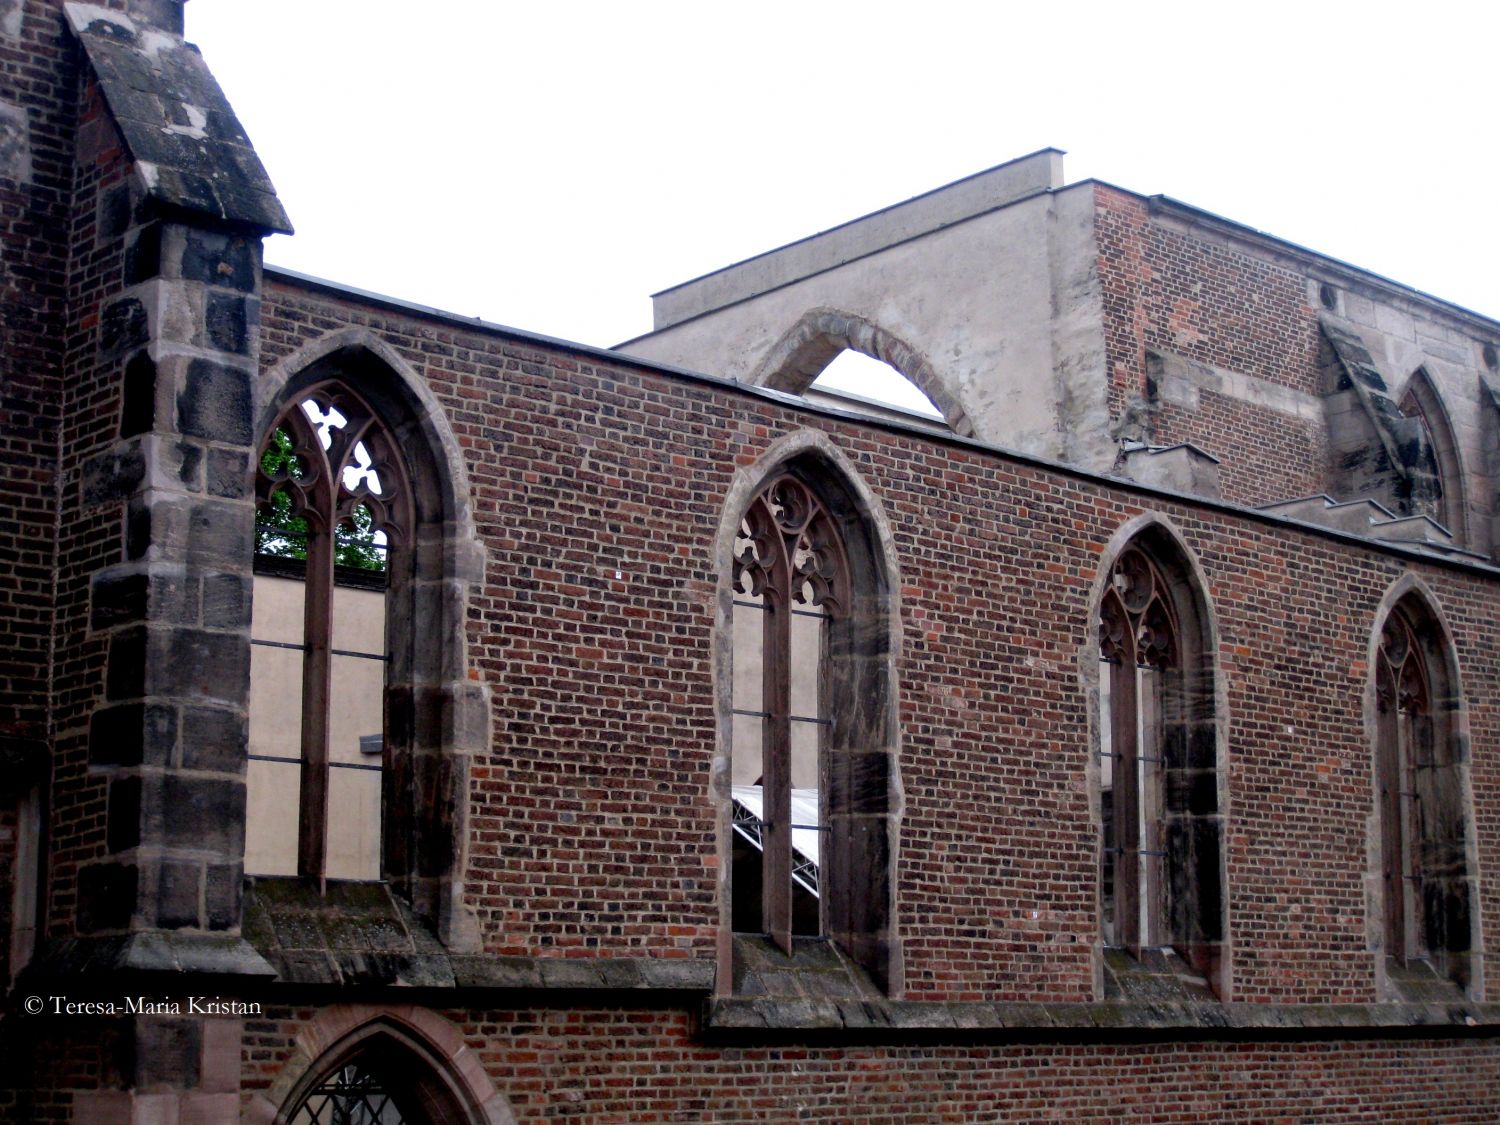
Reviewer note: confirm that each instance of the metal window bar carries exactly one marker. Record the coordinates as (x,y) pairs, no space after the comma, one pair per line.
(793,718)
(298,762)
(350,1096)
(795,613)
(336,651)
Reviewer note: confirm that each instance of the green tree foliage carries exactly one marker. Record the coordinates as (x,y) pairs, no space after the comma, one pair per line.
(281,534)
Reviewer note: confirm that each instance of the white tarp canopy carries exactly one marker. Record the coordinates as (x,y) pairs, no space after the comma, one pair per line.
(804,811)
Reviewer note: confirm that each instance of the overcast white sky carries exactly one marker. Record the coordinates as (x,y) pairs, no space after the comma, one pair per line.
(548,165)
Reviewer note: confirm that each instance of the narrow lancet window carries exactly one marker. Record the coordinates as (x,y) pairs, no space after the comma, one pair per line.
(1160,828)
(1137,647)
(790,583)
(332,504)
(1422,799)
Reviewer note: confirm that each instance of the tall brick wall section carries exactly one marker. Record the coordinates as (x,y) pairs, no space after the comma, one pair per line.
(598,491)
(37,106)
(90,533)
(54,269)
(592,1066)
(1172,290)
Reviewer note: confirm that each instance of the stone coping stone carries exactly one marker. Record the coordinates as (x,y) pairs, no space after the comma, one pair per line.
(149,952)
(175,121)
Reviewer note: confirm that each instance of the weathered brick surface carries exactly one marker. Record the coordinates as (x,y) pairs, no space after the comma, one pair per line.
(1171,289)
(607,1065)
(598,488)
(90,527)
(37,80)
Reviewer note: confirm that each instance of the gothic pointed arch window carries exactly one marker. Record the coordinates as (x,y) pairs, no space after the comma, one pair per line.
(812,729)
(334,503)
(1439,492)
(386,1079)
(1161,842)
(1425,876)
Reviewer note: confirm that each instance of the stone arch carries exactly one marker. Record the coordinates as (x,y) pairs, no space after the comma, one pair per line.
(811,344)
(1191,732)
(1422,401)
(862,768)
(438,720)
(1440,915)
(445,1078)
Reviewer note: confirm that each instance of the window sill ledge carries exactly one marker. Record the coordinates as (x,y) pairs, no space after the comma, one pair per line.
(362,935)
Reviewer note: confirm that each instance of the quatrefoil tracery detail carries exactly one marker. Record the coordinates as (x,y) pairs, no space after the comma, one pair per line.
(1136,622)
(342,459)
(789,548)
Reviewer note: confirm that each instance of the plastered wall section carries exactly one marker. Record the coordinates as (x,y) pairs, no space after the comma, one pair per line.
(1004,307)
(1404,336)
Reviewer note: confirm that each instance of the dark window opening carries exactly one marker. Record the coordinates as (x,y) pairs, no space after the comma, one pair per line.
(1161,833)
(1421,792)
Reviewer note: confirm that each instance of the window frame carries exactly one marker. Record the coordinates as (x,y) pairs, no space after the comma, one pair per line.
(859,782)
(1427,909)
(1183,731)
(325,503)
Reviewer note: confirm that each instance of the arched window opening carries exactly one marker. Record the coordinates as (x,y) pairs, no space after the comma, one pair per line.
(1421,792)
(1442,496)
(790,581)
(870,363)
(873,381)
(386,1080)
(812,728)
(1161,832)
(333,503)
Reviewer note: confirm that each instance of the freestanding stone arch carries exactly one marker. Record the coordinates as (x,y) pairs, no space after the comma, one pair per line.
(811,344)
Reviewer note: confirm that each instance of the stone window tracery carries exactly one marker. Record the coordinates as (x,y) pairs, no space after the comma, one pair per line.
(790,572)
(1137,643)
(1421,796)
(810,586)
(334,501)
(1161,828)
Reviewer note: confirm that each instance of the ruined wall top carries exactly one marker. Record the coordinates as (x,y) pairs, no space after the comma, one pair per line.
(973,195)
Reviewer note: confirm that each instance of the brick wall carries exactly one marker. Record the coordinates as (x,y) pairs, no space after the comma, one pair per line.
(599,1065)
(91,529)
(1184,292)
(598,492)
(37,79)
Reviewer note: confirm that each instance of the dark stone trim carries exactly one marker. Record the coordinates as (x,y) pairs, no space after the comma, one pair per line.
(177,125)
(148,953)
(810,1020)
